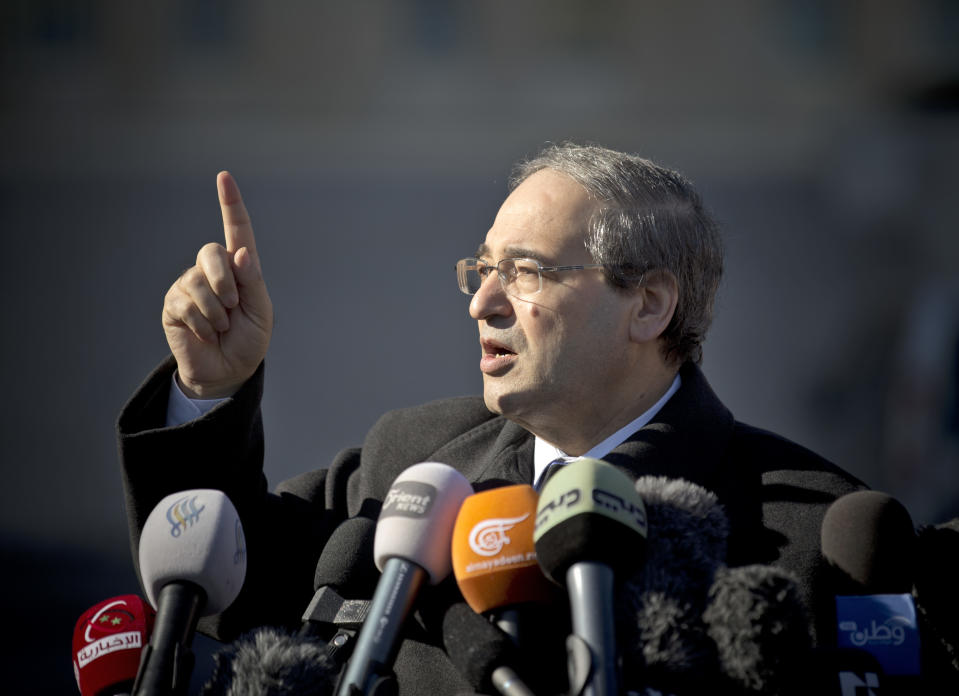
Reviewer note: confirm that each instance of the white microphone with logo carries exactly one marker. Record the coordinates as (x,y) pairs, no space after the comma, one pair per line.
(192,564)
(411,546)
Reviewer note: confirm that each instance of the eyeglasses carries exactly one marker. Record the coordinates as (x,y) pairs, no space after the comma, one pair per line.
(520,278)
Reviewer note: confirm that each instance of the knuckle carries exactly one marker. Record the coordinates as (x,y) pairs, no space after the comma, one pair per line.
(222,284)
(192,279)
(176,304)
(209,252)
(173,294)
(198,323)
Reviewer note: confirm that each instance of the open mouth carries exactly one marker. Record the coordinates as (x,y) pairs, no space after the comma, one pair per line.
(496,349)
(497,359)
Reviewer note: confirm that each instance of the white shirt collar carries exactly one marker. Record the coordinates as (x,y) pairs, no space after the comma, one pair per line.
(544,452)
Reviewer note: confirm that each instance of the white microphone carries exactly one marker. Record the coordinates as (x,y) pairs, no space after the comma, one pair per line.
(412,545)
(192,564)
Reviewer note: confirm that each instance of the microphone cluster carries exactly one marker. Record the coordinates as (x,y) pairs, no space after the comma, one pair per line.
(653,608)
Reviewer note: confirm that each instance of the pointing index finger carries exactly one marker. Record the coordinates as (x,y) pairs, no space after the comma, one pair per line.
(237,228)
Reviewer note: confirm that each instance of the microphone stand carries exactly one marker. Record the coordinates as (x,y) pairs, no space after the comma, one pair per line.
(594,671)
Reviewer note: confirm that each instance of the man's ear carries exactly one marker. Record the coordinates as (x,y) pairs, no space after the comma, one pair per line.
(654,306)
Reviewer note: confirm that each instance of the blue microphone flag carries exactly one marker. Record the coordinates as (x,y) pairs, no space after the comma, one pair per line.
(884,626)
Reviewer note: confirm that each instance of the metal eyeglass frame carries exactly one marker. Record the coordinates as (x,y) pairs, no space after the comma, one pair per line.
(470,264)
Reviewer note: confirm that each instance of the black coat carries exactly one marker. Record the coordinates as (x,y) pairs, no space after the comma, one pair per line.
(775,492)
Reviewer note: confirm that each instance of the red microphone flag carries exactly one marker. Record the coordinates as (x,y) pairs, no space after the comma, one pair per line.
(107,643)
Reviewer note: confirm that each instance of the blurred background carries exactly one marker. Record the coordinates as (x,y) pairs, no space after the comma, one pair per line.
(372,142)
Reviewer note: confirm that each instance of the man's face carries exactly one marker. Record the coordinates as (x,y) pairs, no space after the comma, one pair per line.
(564,347)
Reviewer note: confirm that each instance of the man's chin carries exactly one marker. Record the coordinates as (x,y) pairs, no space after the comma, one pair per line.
(492,403)
(504,403)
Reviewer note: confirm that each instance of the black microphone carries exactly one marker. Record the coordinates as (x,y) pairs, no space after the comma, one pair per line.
(869,540)
(192,564)
(346,564)
(590,528)
(664,640)
(271,662)
(761,628)
(411,547)
(483,653)
(934,590)
(346,575)
(696,625)
(869,544)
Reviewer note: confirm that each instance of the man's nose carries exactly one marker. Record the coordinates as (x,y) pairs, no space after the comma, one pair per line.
(490,299)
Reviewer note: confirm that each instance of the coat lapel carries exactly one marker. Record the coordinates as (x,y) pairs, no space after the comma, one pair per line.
(686,439)
(497,453)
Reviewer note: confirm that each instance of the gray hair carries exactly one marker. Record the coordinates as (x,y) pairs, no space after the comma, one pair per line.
(649,218)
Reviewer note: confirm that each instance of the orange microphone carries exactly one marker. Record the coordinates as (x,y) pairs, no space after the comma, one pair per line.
(494,558)
(494,562)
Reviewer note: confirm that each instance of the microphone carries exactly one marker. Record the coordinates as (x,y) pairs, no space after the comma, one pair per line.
(833,671)
(590,527)
(411,546)
(271,662)
(665,642)
(346,563)
(482,653)
(687,537)
(934,592)
(869,540)
(345,572)
(107,642)
(701,626)
(869,544)
(757,619)
(192,564)
(494,562)
(494,559)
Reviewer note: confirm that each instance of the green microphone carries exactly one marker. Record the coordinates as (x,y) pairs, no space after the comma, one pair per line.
(590,528)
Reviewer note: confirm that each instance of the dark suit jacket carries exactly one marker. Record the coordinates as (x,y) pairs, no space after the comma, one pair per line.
(775,492)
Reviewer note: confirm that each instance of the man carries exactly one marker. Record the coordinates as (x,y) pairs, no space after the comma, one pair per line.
(592,291)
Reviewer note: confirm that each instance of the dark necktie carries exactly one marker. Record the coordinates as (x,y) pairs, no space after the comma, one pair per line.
(550,469)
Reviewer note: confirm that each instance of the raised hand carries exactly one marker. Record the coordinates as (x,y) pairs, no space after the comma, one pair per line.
(217,315)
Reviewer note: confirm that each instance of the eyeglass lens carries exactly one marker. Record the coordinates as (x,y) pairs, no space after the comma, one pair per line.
(518,276)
